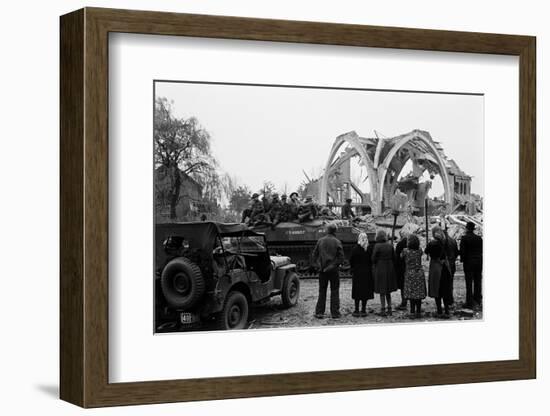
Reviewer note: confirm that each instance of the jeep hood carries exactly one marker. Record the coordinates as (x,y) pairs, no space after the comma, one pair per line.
(279,261)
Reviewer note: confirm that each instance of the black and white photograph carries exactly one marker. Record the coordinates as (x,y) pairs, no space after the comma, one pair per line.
(277,207)
(290,206)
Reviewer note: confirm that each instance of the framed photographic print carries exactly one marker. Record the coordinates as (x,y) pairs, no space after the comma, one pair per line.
(255,207)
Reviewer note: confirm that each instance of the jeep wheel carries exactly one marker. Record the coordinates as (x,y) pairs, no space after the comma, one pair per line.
(182,283)
(291,290)
(235,312)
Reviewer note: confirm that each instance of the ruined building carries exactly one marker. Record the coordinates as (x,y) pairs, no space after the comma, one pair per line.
(384,159)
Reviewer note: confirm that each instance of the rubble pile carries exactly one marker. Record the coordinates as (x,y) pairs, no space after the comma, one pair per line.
(454,224)
(469,204)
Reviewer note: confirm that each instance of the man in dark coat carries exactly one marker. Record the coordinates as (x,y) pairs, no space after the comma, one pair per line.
(347,211)
(328,254)
(471,255)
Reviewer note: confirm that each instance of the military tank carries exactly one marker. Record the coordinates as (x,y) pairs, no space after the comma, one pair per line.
(297,240)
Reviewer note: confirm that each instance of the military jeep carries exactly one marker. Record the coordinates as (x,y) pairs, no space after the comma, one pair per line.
(209,272)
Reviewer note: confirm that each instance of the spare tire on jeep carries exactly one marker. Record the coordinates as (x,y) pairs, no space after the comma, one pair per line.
(182,283)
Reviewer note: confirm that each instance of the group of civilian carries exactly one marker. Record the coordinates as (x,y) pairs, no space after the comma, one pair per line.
(380,268)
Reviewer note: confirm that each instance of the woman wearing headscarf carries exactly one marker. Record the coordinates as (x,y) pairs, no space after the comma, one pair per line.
(385,281)
(414,284)
(362,284)
(439,279)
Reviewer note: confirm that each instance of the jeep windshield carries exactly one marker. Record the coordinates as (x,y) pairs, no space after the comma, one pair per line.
(244,244)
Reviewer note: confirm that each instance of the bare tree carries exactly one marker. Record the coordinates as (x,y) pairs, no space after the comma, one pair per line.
(267,188)
(182,147)
(239,199)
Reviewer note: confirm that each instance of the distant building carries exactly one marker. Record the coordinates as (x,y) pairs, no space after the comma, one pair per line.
(190,198)
(461,181)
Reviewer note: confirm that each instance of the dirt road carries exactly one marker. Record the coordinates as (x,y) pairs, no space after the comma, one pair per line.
(272,315)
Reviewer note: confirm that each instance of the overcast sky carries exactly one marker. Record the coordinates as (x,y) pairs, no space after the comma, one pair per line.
(274,133)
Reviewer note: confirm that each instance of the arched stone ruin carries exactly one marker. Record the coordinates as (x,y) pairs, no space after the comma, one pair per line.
(384,159)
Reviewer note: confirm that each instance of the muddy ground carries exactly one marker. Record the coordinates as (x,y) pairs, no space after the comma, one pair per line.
(273,315)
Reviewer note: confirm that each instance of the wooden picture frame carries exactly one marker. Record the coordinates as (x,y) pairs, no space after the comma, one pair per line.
(84,207)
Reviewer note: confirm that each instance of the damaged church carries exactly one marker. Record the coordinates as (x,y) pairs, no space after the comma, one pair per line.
(384,160)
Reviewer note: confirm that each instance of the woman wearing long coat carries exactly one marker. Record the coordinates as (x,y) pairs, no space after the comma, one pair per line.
(385,280)
(439,278)
(362,288)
